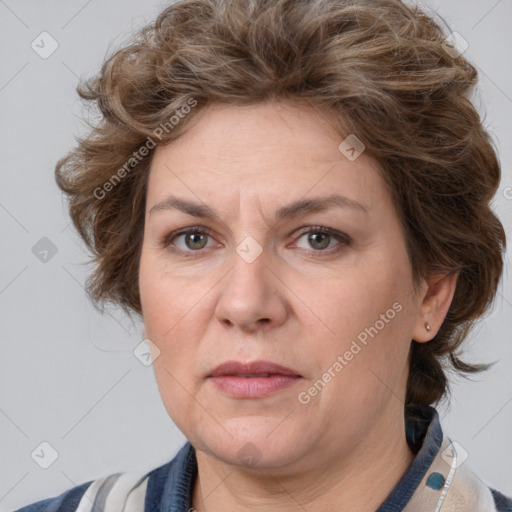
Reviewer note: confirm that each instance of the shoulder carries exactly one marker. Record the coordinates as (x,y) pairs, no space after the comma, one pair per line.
(68,500)
(469,488)
(129,491)
(503,503)
(450,481)
(120,489)
(464,486)
(441,475)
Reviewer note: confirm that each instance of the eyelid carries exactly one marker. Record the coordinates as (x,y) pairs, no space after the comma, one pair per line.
(322,229)
(344,239)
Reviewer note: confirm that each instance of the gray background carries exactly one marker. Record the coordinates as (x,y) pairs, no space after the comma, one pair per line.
(68,374)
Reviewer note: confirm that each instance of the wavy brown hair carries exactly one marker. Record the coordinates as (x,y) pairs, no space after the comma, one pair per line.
(381,66)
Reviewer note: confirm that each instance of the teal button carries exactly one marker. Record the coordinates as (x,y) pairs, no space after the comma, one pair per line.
(435,481)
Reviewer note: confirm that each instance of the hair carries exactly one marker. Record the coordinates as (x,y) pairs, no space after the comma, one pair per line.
(380,66)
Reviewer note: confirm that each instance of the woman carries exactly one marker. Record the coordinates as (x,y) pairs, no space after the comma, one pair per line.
(294,198)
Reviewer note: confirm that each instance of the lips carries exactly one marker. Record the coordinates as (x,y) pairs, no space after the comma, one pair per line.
(252,369)
(257,379)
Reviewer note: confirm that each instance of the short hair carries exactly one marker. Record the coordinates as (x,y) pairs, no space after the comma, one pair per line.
(383,68)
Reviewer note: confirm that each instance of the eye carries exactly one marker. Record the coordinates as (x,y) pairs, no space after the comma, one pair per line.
(192,240)
(187,240)
(321,239)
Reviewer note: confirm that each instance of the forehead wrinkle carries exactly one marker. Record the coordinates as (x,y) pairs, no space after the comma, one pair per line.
(259,206)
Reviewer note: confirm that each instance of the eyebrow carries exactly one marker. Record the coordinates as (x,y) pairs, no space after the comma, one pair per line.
(300,207)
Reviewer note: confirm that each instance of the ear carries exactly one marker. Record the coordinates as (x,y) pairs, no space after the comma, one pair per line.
(434,306)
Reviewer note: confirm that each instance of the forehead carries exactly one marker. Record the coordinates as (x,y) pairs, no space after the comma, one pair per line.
(268,151)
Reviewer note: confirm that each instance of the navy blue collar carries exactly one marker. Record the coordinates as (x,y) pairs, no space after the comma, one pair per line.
(424,436)
(170,486)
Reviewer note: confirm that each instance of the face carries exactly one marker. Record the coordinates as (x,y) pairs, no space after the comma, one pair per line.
(265,267)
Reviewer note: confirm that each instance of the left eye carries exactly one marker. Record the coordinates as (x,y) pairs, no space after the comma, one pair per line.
(322,238)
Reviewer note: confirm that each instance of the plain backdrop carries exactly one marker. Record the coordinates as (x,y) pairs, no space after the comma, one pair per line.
(68,375)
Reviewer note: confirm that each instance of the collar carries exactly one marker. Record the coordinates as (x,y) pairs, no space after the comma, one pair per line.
(424,486)
(424,436)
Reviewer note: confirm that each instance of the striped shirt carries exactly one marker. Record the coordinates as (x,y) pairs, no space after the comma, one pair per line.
(438,480)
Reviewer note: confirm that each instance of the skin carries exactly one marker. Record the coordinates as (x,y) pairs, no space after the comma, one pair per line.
(297,304)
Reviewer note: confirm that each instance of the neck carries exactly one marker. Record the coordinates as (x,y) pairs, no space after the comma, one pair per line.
(355,480)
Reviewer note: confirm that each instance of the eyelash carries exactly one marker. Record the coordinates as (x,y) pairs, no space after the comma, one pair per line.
(344,240)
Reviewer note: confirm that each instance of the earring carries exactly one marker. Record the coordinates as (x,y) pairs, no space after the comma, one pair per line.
(427,326)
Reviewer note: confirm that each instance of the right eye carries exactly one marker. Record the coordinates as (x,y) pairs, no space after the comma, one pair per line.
(187,240)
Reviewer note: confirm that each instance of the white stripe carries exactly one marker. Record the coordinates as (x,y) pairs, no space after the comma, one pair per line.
(87,501)
(137,498)
(449,480)
(118,495)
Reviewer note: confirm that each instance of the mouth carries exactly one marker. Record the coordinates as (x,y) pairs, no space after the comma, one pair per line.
(252,369)
(253,376)
(255,379)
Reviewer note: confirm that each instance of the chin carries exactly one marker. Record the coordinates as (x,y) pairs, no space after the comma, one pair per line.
(255,442)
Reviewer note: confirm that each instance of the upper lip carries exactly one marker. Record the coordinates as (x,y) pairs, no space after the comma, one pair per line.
(251,368)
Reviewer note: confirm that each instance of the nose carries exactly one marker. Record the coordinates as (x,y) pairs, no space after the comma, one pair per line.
(250,296)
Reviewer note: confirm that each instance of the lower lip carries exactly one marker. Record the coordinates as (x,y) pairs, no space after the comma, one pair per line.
(253,387)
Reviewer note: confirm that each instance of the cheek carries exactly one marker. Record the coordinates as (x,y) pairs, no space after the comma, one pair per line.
(366,318)
(166,309)
(177,311)
(166,299)
(168,312)
(348,303)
